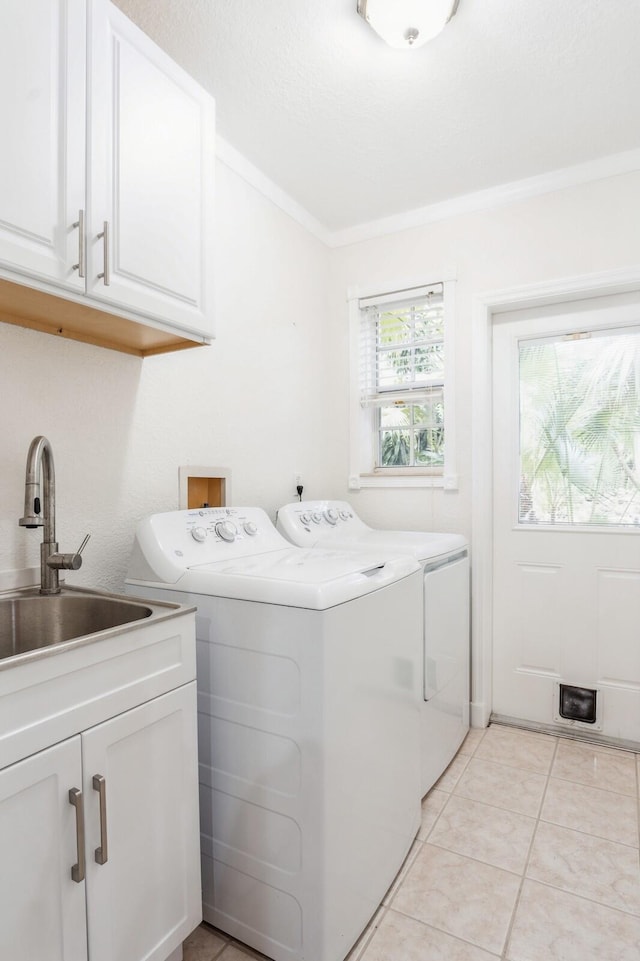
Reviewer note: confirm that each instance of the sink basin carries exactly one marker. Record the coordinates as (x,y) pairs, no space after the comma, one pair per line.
(32,621)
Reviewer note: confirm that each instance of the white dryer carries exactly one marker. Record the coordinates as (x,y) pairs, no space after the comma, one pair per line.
(308,668)
(445,611)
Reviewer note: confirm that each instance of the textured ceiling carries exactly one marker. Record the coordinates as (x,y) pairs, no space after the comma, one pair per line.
(355,131)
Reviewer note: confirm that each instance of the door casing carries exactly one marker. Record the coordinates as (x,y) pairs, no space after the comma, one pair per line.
(485,308)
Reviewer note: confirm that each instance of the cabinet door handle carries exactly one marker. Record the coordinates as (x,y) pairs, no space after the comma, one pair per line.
(100,785)
(80,225)
(104,233)
(77,871)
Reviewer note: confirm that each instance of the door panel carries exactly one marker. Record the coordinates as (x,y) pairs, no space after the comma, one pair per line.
(567,595)
(42,910)
(146,898)
(42,161)
(151,170)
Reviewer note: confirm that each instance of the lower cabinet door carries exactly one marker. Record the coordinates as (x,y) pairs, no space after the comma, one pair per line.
(143,865)
(42,909)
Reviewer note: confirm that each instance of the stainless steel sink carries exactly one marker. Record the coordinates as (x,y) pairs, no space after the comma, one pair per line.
(30,621)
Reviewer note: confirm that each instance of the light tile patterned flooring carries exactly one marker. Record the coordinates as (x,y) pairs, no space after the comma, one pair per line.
(528,851)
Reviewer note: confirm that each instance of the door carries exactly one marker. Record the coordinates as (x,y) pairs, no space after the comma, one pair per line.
(42,909)
(42,161)
(566,466)
(150,177)
(143,874)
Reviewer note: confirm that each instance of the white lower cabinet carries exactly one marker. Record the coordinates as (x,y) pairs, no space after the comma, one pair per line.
(42,910)
(114,877)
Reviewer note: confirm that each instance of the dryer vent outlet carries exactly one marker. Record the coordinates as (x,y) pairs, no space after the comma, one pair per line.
(577,704)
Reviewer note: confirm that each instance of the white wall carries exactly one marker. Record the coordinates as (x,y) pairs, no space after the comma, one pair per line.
(585,229)
(270,397)
(120,427)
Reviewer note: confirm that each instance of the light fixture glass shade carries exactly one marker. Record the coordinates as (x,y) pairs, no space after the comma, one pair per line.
(407,23)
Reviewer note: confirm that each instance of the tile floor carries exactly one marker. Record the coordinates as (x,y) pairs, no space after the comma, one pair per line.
(528,851)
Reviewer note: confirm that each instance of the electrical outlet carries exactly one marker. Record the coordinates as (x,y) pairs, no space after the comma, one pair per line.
(297,480)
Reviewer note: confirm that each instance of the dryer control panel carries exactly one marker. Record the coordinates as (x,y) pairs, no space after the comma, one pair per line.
(307,522)
(335,525)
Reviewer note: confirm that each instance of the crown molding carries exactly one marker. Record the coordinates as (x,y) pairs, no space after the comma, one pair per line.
(611,166)
(237,162)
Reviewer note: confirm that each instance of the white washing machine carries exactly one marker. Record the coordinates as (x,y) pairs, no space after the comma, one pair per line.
(445,610)
(308,666)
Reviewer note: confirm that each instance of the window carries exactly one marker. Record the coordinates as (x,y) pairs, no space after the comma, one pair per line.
(580,429)
(400,416)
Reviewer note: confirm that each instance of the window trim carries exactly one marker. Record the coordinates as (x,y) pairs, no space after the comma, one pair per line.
(362,427)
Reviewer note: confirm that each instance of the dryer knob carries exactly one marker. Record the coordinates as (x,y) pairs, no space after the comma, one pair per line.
(199,534)
(344,515)
(305,518)
(250,528)
(331,515)
(316,517)
(226,530)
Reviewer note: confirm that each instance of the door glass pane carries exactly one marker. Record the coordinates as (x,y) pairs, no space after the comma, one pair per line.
(580,429)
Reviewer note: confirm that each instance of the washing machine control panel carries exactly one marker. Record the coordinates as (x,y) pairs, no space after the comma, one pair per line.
(226,523)
(210,534)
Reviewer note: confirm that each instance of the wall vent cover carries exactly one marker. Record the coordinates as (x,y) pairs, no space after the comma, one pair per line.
(577,704)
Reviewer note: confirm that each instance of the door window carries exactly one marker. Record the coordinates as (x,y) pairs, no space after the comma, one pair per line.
(579,431)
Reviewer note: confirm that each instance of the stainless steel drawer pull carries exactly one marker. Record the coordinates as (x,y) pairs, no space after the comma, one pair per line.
(77,871)
(106,276)
(100,785)
(80,225)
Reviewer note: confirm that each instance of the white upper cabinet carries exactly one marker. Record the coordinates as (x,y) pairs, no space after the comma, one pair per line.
(42,116)
(150,177)
(106,180)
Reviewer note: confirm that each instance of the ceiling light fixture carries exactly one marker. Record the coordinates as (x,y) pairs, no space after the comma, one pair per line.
(407,23)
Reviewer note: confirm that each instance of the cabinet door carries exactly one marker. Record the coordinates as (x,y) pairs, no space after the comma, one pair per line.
(42,910)
(151,168)
(146,898)
(42,118)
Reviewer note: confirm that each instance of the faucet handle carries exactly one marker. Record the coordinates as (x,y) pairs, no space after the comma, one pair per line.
(68,562)
(76,560)
(83,545)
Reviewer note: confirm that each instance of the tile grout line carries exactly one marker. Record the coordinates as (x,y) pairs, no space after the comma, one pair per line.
(523,877)
(454,937)
(638,795)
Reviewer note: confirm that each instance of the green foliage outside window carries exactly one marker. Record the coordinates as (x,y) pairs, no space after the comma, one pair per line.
(580,430)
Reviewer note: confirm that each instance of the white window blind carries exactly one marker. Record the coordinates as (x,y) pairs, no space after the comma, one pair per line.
(401,346)
(401,376)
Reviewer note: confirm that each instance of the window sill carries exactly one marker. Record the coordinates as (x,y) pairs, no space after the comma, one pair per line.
(403,479)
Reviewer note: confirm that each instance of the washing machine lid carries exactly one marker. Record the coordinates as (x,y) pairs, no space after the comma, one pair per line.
(238,553)
(294,577)
(335,524)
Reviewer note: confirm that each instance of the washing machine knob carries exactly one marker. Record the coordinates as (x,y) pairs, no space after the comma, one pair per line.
(199,534)
(331,515)
(316,517)
(226,530)
(344,515)
(250,528)
(305,518)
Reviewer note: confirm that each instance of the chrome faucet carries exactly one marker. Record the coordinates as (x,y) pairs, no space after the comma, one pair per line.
(42,513)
